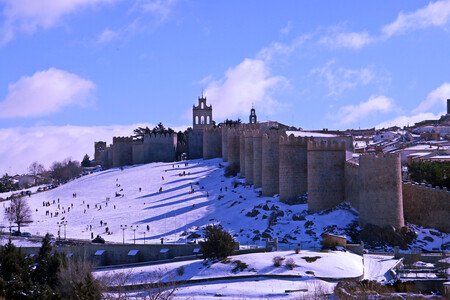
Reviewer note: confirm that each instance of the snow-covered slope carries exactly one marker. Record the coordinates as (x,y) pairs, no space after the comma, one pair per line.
(191,197)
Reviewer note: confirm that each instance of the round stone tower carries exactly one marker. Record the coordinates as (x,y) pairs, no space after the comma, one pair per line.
(242,153)
(225,142)
(270,165)
(326,174)
(257,158)
(292,167)
(233,146)
(381,200)
(248,136)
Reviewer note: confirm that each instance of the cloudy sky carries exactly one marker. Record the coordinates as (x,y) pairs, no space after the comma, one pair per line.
(76,71)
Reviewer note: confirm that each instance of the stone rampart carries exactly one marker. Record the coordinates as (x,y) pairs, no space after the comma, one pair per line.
(122,151)
(248,144)
(241,153)
(160,147)
(257,158)
(138,153)
(195,144)
(426,206)
(233,146)
(326,173)
(352,184)
(212,142)
(381,201)
(99,148)
(292,167)
(270,163)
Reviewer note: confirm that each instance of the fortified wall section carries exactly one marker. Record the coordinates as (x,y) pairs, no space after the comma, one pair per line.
(99,148)
(257,158)
(225,129)
(242,153)
(122,151)
(292,167)
(195,144)
(352,184)
(160,147)
(212,142)
(326,173)
(426,206)
(248,137)
(233,146)
(381,201)
(270,163)
(138,153)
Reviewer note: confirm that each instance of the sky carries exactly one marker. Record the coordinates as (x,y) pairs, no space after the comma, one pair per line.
(76,71)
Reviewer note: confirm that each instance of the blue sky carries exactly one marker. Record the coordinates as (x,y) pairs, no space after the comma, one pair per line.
(76,71)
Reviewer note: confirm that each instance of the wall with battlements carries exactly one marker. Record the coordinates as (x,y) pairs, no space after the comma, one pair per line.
(225,142)
(426,206)
(242,153)
(138,153)
(233,145)
(326,173)
(248,144)
(122,151)
(381,201)
(99,148)
(292,167)
(160,147)
(257,158)
(352,184)
(212,142)
(270,163)
(195,144)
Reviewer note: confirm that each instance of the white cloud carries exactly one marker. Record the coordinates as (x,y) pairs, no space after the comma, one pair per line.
(27,16)
(107,36)
(162,9)
(409,120)
(248,83)
(340,79)
(352,40)
(437,97)
(47,144)
(45,92)
(435,14)
(286,29)
(375,104)
(276,49)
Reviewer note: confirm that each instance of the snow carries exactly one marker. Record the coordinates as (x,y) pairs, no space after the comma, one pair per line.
(335,264)
(376,267)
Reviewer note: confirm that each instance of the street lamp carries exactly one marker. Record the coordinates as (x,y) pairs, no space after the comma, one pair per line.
(134,228)
(123,227)
(144,237)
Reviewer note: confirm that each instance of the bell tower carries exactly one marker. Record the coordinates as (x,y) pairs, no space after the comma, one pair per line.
(252,118)
(201,114)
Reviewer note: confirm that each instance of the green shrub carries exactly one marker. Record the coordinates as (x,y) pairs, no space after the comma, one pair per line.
(290,263)
(218,242)
(277,261)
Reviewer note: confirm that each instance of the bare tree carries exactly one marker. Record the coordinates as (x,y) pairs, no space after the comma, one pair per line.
(18,211)
(35,169)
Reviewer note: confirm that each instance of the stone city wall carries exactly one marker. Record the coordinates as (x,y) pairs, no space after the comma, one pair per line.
(270,163)
(212,142)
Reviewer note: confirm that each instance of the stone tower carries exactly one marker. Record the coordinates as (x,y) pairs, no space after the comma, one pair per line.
(233,146)
(326,174)
(248,146)
(292,167)
(381,199)
(252,118)
(99,147)
(257,158)
(270,166)
(448,106)
(201,114)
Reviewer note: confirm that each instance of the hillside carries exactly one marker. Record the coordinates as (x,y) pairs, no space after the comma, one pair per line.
(191,197)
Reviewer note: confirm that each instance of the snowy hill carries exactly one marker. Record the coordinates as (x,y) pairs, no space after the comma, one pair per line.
(191,197)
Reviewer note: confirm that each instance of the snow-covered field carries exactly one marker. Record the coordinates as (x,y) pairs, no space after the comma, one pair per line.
(191,197)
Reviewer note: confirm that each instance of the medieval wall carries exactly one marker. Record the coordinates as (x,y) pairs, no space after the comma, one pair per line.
(233,146)
(195,144)
(138,153)
(242,153)
(326,173)
(292,167)
(99,148)
(270,163)
(426,206)
(248,136)
(225,142)
(160,147)
(257,158)
(381,201)
(122,151)
(352,184)
(212,142)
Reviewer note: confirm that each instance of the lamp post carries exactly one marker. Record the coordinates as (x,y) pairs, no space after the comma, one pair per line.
(134,228)
(123,227)
(144,237)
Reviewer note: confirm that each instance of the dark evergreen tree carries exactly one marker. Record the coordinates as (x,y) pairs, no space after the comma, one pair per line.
(86,162)
(218,242)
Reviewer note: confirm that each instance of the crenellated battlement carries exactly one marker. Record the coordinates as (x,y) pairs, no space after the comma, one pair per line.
(426,187)
(122,139)
(293,140)
(212,129)
(326,146)
(160,136)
